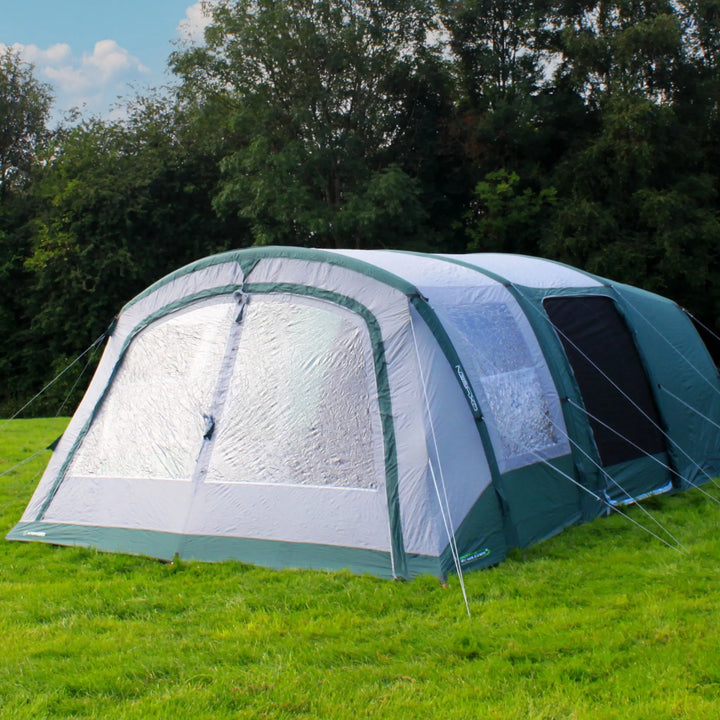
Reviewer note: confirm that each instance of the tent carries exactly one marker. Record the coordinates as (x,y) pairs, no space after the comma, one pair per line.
(388,412)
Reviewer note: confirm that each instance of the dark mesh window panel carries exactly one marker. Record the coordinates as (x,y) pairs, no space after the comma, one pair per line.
(612,380)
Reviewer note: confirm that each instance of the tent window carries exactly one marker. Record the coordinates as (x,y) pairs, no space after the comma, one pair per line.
(512,382)
(302,405)
(610,375)
(151,424)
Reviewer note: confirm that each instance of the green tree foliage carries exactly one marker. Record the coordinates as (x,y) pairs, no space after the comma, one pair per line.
(24,137)
(639,200)
(504,218)
(511,124)
(14,282)
(626,47)
(498,48)
(24,112)
(124,203)
(330,101)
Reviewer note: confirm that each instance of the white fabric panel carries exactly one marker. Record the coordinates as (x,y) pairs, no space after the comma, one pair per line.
(508,372)
(423,271)
(139,504)
(294,513)
(215,276)
(72,432)
(151,425)
(460,469)
(384,302)
(302,404)
(528,271)
(388,305)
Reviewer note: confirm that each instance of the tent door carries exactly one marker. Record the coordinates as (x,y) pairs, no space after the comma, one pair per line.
(614,386)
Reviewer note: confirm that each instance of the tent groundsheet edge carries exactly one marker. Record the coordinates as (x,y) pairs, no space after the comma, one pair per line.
(275,554)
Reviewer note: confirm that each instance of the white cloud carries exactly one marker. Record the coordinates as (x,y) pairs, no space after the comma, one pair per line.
(54,55)
(192,28)
(91,81)
(111,61)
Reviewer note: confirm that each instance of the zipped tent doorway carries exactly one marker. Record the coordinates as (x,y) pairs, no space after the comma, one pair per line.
(612,381)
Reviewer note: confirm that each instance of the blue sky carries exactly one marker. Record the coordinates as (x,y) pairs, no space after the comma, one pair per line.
(92,51)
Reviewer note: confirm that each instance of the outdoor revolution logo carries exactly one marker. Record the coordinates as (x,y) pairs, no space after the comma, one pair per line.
(465,559)
(468,390)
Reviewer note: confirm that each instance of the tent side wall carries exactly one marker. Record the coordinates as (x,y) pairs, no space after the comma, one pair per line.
(688,435)
(685,382)
(585,458)
(457,497)
(483,328)
(684,385)
(616,481)
(545,495)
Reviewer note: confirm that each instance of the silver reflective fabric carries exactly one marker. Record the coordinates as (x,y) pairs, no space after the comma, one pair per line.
(513,383)
(300,407)
(151,424)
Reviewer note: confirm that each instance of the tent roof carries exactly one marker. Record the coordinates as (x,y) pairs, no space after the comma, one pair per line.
(445,270)
(408,271)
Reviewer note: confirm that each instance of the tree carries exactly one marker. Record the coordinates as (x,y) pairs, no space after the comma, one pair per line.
(627,47)
(512,125)
(24,112)
(327,101)
(504,217)
(24,108)
(15,213)
(497,48)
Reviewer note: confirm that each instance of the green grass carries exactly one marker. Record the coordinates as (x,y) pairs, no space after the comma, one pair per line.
(602,621)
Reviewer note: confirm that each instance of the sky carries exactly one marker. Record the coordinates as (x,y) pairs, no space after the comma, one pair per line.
(93,51)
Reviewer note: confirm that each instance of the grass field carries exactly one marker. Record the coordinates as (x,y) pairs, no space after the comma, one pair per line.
(602,621)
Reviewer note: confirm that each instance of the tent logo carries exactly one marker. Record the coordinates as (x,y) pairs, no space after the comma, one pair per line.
(468,390)
(465,559)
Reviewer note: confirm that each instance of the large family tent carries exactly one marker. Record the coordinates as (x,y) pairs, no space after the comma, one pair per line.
(388,412)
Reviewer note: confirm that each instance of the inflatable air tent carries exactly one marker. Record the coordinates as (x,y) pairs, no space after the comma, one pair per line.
(386,412)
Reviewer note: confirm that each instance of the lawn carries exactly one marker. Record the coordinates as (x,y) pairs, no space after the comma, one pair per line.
(602,621)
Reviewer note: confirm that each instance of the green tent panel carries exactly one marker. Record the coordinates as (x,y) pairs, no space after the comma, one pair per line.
(388,412)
